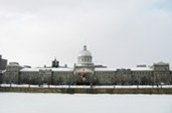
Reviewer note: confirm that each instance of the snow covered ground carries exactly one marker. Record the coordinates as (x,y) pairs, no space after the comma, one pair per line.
(84,103)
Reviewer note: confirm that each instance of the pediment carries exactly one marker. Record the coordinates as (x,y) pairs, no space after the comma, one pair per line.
(84,70)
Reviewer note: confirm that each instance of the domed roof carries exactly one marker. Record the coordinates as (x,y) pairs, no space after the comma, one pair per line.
(84,52)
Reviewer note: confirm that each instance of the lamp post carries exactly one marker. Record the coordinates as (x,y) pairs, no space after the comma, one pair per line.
(69,78)
(29,81)
(91,81)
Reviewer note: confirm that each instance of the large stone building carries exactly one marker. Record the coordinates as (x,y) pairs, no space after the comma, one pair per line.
(3,63)
(85,72)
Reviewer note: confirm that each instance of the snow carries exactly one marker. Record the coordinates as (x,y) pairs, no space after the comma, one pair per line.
(61,69)
(37,69)
(84,103)
(86,86)
(105,69)
(29,69)
(141,69)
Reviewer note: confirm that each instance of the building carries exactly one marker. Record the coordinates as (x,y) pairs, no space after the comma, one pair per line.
(3,63)
(85,72)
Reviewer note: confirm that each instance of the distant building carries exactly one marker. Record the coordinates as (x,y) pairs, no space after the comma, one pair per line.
(3,63)
(85,72)
(55,63)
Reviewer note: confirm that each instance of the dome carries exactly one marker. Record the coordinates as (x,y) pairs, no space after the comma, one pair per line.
(85,57)
(84,52)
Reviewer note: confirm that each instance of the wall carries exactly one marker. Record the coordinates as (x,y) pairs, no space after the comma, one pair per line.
(116,77)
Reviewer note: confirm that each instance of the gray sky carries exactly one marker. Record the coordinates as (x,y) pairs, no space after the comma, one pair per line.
(119,33)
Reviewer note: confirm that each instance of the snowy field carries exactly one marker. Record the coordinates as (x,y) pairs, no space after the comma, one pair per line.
(84,103)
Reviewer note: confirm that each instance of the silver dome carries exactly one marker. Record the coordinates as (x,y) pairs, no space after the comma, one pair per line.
(84,52)
(85,57)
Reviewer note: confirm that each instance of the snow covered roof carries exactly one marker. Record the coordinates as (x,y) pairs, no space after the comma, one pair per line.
(38,69)
(141,69)
(61,69)
(13,64)
(29,69)
(3,71)
(105,69)
(161,63)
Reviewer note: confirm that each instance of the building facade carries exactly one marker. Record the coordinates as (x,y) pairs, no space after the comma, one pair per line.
(85,72)
(3,63)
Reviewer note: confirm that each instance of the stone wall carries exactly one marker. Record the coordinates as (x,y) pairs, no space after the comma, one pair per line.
(12,73)
(104,77)
(89,90)
(3,63)
(62,78)
(29,77)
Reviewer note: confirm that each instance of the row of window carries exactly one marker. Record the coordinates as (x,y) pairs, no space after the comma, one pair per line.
(85,59)
(142,72)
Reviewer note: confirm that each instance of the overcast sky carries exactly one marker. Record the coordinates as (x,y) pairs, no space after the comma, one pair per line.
(119,33)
